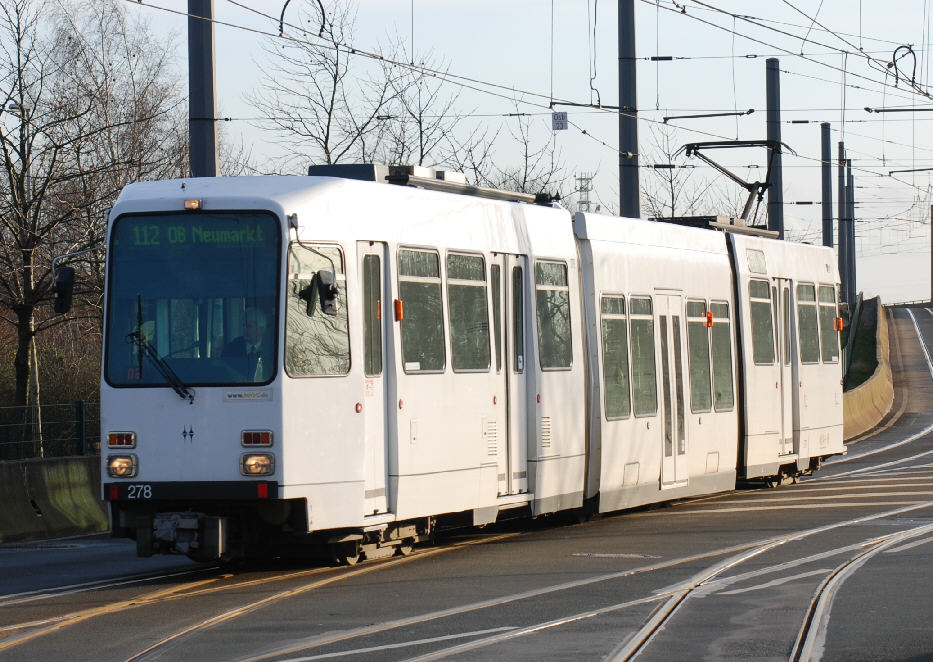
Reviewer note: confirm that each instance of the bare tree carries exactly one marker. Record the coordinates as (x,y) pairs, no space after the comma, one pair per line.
(319,110)
(670,188)
(87,106)
(538,168)
(419,114)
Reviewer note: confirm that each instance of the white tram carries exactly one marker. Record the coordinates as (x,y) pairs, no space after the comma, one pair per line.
(341,362)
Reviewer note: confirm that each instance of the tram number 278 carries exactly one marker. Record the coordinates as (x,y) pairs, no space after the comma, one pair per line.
(139,492)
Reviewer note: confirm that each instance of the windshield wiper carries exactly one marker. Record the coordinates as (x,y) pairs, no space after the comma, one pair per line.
(145,347)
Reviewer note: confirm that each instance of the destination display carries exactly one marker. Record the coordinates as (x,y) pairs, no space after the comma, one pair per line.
(151,234)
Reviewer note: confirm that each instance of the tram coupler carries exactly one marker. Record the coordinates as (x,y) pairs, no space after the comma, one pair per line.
(197,535)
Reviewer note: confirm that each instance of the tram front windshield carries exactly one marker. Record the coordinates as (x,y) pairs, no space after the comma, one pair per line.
(192,299)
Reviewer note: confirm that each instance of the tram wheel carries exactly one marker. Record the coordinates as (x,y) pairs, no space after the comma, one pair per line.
(406,547)
(345,553)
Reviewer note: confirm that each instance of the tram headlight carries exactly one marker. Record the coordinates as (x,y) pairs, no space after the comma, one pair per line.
(257,464)
(121,466)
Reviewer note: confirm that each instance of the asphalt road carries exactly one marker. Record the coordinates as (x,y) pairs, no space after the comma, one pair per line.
(839,567)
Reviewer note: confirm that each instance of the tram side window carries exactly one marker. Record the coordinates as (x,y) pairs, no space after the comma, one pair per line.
(644,369)
(518,320)
(422,322)
(469,314)
(552,300)
(495,281)
(615,358)
(722,356)
(698,345)
(828,336)
(315,344)
(759,293)
(372,315)
(807,324)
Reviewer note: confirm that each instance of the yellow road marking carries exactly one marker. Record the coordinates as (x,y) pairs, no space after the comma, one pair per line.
(239,611)
(86,614)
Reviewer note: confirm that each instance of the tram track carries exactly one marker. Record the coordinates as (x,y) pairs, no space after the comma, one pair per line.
(812,635)
(636,644)
(41,627)
(74,589)
(672,600)
(669,602)
(36,628)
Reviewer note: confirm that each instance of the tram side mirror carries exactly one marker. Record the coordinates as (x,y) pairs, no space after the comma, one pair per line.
(328,291)
(306,294)
(63,289)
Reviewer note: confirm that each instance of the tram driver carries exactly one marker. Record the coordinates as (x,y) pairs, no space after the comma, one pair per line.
(252,346)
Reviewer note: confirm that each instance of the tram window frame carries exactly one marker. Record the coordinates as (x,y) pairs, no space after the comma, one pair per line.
(612,310)
(722,332)
(296,311)
(828,323)
(408,334)
(763,353)
(808,326)
(459,344)
(637,318)
(697,328)
(553,297)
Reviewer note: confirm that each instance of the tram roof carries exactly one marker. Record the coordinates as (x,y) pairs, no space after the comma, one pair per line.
(642,232)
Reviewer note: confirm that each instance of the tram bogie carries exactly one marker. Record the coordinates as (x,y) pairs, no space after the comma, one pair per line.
(322,361)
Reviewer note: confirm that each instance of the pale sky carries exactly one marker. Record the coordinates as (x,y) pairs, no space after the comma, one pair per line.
(508,47)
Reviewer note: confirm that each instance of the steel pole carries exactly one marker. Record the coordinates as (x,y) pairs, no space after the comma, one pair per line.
(629,190)
(826,156)
(201,126)
(776,185)
(850,221)
(842,228)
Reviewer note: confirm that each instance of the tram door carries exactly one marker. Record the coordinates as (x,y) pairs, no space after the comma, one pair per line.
(372,261)
(674,469)
(783,312)
(508,275)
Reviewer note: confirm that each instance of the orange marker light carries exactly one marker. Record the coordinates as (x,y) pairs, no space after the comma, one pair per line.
(256,438)
(121,439)
(399,312)
(838,324)
(709,319)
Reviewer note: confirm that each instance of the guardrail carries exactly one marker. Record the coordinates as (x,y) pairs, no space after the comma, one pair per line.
(49,430)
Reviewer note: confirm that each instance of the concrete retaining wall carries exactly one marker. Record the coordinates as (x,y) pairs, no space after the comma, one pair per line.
(864,407)
(50,498)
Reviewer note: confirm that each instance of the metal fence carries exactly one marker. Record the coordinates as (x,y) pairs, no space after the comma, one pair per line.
(57,430)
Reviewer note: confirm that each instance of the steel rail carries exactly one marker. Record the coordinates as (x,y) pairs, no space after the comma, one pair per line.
(675,598)
(191,589)
(635,645)
(812,634)
(380,564)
